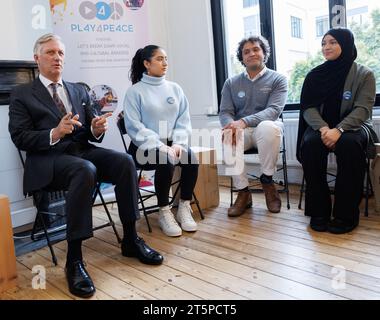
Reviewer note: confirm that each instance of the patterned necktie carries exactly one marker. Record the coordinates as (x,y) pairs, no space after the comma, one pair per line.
(57,99)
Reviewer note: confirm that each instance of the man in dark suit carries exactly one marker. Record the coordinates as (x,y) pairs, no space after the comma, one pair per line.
(51,120)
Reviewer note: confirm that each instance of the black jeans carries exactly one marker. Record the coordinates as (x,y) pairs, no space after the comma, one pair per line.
(164,170)
(78,171)
(351,162)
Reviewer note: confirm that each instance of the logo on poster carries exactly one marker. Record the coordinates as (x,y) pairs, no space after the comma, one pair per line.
(54,4)
(101,10)
(104,12)
(134,4)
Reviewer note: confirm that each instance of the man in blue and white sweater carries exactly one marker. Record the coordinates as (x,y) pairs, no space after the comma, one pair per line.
(251,105)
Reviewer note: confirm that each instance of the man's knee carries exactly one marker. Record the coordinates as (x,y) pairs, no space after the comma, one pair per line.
(124,162)
(87,173)
(269,130)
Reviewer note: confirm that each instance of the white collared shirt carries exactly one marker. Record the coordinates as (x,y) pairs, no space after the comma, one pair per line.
(60,90)
(258,76)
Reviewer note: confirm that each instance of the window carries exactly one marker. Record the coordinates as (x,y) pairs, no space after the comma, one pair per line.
(363,18)
(250,3)
(322,26)
(239,22)
(251,26)
(295,56)
(296,27)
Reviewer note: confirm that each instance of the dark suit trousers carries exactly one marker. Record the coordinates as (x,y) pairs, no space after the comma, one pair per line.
(78,171)
(348,190)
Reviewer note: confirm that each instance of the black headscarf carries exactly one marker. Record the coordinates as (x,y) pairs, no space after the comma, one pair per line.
(325,83)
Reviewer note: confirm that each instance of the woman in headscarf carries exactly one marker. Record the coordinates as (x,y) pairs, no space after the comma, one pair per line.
(336,110)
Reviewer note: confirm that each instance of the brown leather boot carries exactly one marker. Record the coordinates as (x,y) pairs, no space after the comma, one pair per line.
(242,202)
(272,197)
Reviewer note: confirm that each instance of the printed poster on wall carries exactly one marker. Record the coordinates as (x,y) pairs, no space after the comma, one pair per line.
(101,38)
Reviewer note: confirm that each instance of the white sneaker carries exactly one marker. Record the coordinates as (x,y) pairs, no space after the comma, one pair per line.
(184,216)
(167,222)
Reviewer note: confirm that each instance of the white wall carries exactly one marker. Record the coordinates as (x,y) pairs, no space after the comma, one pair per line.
(16,32)
(184,29)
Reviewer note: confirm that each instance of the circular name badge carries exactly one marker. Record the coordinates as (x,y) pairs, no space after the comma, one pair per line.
(347,95)
(170,100)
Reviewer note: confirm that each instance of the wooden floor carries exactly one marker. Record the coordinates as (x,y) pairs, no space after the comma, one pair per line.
(256,256)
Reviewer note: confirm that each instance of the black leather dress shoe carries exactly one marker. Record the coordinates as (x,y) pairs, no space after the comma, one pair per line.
(319,224)
(142,251)
(338,226)
(79,281)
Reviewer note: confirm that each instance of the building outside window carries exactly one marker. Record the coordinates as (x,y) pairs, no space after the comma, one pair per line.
(296,28)
(251,26)
(250,3)
(298,44)
(322,26)
(241,19)
(363,18)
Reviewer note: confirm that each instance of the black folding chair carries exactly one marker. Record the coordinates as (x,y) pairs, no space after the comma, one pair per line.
(145,193)
(42,197)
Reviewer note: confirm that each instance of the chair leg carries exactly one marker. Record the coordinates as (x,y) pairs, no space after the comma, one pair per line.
(34,228)
(144,212)
(231,192)
(199,208)
(301,192)
(286,182)
(112,223)
(54,258)
(367,188)
(142,203)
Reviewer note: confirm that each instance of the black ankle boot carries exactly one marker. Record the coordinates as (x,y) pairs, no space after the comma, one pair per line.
(319,224)
(338,226)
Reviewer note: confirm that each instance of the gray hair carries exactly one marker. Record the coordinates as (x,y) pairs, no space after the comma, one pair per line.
(43,39)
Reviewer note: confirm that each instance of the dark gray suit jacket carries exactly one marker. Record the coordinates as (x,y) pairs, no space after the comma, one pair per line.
(32,114)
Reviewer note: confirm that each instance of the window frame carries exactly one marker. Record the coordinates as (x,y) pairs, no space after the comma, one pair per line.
(296,27)
(267,31)
(321,20)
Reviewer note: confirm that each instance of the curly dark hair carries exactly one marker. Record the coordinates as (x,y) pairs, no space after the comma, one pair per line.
(264,44)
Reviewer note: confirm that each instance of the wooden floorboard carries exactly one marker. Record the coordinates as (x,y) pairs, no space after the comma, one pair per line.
(256,256)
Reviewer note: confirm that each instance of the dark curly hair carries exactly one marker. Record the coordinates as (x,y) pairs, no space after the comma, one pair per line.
(264,44)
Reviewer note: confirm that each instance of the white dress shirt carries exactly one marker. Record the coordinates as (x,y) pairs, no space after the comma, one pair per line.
(258,76)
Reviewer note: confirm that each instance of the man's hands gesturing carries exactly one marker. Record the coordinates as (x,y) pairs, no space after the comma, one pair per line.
(65,126)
